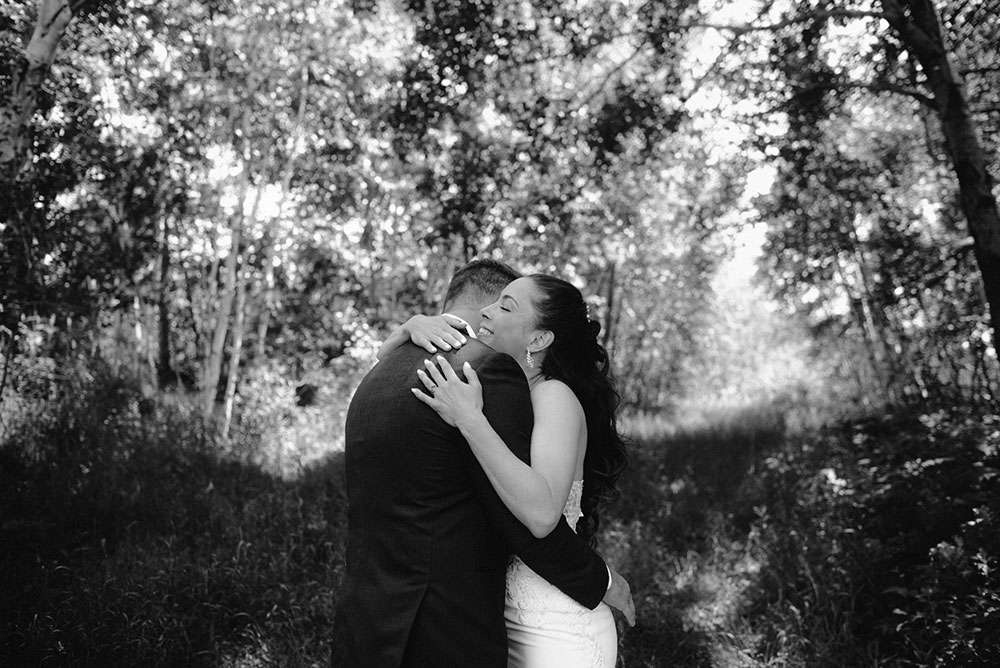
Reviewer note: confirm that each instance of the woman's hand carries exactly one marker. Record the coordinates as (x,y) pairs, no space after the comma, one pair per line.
(430,332)
(454,400)
(442,331)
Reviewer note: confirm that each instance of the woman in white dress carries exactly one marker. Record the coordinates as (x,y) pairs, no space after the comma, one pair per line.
(577,455)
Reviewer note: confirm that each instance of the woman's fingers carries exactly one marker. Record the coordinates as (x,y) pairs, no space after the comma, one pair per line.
(448,340)
(446,370)
(426,380)
(454,320)
(458,327)
(432,370)
(435,375)
(430,331)
(426,398)
(471,376)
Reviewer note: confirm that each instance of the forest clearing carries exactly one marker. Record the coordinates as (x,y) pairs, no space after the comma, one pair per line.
(783,215)
(863,543)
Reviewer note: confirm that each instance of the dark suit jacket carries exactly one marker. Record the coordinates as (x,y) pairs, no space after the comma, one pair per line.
(428,539)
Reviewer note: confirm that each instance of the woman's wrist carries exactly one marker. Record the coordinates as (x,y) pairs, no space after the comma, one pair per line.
(471,423)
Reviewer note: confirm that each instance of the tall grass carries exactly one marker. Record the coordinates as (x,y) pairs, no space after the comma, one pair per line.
(675,533)
(130,537)
(866,542)
(129,541)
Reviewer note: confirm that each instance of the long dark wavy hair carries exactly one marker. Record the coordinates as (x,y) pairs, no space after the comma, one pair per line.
(577,358)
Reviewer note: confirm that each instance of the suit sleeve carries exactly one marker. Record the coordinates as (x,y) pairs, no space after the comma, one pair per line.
(562,557)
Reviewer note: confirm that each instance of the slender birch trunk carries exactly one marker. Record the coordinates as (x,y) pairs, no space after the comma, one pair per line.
(220,328)
(267,307)
(53,18)
(239,326)
(235,352)
(609,319)
(869,332)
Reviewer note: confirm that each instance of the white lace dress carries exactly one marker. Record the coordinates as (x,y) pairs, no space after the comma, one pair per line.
(546,628)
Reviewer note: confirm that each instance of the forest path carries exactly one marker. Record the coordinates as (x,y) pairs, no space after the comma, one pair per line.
(683,534)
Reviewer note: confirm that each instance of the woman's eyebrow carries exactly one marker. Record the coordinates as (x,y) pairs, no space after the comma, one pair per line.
(502,297)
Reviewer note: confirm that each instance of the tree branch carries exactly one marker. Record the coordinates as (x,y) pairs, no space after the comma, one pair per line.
(874,87)
(886,87)
(611,73)
(978,70)
(792,20)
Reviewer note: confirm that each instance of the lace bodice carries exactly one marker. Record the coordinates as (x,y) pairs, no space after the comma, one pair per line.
(572,511)
(538,616)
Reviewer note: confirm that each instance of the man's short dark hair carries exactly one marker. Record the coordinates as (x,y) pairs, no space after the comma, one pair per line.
(479,281)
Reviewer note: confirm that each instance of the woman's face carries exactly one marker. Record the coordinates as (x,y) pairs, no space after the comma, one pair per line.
(508,324)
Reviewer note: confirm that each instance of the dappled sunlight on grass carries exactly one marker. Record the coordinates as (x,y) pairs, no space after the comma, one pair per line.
(755,543)
(283,437)
(747,542)
(252,652)
(673,534)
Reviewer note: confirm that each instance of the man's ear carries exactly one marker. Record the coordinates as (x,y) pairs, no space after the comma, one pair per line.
(542,339)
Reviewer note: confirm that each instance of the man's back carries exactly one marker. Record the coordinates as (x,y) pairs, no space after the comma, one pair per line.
(425,566)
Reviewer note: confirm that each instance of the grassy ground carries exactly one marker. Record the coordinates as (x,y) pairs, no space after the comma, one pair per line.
(680,533)
(867,542)
(127,540)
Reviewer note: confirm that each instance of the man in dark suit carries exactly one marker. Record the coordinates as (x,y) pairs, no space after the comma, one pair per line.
(428,538)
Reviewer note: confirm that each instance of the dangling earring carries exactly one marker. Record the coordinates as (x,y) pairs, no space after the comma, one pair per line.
(529,360)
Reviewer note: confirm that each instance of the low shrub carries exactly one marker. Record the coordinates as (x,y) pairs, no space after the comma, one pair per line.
(129,540)
(881,543)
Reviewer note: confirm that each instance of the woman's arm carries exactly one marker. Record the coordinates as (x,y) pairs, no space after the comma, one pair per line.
(427,331)
(535,494)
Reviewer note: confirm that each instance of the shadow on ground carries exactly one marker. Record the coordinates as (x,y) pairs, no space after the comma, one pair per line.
(678,533)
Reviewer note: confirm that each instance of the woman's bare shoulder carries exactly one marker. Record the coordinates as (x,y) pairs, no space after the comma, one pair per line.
(552,392)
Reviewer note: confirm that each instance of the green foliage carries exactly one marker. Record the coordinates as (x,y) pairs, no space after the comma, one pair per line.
(748,538)
(349,156)
(128,540)
(881,541)
(273,432)
(871,541)
(676,530)
(75,228)
(866,233)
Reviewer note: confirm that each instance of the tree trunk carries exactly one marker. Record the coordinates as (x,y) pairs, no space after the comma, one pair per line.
(235,351)
(267,300)
(267,307)
(609,319)
(53,17)
(163,366)
(239,323)
(220,324)
(921,33)
(234,262)
(869,332)
(213,367)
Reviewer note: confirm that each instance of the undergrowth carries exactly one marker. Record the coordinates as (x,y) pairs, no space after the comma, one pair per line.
(128,541)
(881,542)
(869,542)
(130,538)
